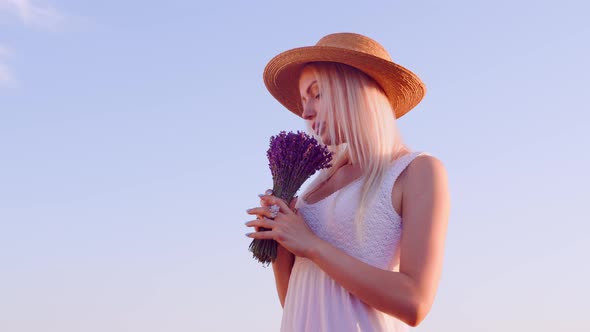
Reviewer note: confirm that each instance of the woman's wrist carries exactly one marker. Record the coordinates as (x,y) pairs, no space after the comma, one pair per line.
(314,250)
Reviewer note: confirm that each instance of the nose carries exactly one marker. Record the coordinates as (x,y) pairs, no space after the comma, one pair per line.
(309,111)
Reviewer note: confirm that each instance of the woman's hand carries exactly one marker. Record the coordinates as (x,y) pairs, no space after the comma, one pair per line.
(288,228)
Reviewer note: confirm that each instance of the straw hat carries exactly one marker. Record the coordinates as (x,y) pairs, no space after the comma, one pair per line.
(403,88)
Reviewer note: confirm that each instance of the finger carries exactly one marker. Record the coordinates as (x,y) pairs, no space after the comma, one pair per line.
(266,223)
(272,200)
(257,210)
(268,235)
(293,203)
(262,211)
(266,192)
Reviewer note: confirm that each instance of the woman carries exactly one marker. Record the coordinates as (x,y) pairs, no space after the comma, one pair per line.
(363,249)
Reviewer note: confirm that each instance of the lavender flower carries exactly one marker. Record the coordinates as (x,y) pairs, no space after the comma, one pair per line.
(293,158)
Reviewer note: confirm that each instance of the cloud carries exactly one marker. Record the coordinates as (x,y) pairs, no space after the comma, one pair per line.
(32,14)
(5,74)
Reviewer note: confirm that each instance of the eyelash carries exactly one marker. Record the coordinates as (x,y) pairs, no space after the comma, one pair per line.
(318,96)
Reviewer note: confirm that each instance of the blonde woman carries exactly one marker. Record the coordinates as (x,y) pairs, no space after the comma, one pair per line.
(362,249)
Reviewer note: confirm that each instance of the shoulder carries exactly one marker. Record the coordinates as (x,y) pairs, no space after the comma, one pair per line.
(426,164)
(423,178)
(423,173)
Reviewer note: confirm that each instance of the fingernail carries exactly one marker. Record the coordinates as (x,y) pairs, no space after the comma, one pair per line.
(246,223)
(248,210)
(248,234)
(260,195)
(268,192)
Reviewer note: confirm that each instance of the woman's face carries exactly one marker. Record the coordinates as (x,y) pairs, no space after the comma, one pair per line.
(311,101)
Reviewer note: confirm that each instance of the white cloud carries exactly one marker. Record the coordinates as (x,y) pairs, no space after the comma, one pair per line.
(33,14)
(4,51)
(30,14)
(5,75)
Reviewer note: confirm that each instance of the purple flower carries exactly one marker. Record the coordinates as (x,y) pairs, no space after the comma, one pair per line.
(292,158)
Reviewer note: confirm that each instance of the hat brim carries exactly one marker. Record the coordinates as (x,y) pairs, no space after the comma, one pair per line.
(403,88)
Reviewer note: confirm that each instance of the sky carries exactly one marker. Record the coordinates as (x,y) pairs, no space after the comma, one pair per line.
(133,137)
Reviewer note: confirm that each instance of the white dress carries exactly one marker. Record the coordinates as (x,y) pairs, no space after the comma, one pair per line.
(314,301)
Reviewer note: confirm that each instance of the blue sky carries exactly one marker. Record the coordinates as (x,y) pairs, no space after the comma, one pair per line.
(133,139)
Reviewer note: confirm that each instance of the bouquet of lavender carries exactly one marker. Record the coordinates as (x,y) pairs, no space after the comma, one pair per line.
(292,158)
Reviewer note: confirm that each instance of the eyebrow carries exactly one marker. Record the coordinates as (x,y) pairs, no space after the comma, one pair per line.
(308,91)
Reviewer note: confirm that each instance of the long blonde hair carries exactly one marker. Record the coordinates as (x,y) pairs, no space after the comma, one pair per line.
(357,113)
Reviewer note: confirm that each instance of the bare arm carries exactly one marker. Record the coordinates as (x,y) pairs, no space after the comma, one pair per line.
(409,293)
(282,267)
